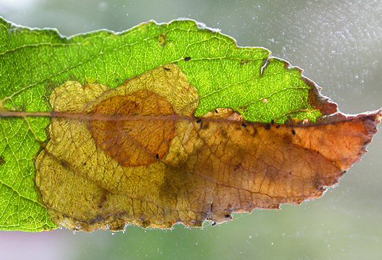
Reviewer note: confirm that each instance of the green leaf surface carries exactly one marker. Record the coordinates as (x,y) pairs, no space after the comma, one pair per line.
(33,62)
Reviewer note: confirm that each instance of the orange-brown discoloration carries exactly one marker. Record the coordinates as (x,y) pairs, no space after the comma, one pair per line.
(208,167)
(138,142)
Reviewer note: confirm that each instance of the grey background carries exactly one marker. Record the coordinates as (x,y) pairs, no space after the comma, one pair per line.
(338,43)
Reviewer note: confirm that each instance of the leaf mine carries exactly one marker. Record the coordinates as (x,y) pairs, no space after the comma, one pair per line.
(137,155)
(134,143)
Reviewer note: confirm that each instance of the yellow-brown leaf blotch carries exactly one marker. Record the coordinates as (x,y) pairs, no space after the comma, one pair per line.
(137,155)
(87,186)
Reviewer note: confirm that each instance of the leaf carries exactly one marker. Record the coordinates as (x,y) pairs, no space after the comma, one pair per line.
(161,124)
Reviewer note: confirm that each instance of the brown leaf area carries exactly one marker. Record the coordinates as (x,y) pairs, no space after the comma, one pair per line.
(139,142)
(137,155)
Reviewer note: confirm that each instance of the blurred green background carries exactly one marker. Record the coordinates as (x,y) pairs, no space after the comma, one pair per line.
(338,43)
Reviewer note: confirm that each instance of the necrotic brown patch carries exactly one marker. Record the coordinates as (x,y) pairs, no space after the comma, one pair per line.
(126,129)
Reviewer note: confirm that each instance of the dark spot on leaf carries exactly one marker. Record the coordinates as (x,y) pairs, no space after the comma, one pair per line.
(2,161)
(64,164)
(157,156)
(102,201)
(205,126)
(268,126)
(244,109)
(227,216)
(237,167)
(187,59)
(293,132)
(289,120)
(98,219)
(254,133)
(320,189)
(166,69)
(244,125)
(198,120)
(278,126)
(272,122)
(145,223)
(213,223)
(117,226)
(162,40)
(243,62)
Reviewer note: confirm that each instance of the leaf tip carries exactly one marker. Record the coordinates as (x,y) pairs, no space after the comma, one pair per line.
(379,115)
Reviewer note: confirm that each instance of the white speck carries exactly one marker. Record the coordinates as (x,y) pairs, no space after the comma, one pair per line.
(127,14)
(265,100)
(250,237)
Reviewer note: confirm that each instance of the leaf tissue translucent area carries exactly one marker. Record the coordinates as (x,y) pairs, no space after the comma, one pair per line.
(133,142)
(137,155)
(152,127)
